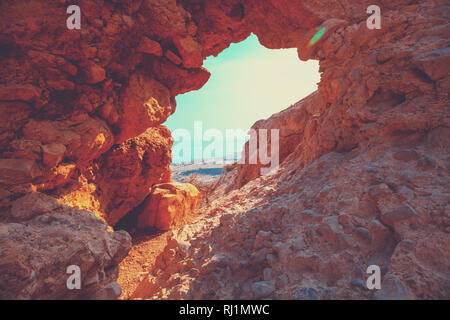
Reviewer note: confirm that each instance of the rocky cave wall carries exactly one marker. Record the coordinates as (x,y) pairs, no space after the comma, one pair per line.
(363,179)
(81,111)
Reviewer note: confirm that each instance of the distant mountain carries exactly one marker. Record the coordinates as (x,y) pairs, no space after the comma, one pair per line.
(229,159)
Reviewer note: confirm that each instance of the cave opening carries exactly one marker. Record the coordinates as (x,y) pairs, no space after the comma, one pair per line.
(129,223)
(245,76)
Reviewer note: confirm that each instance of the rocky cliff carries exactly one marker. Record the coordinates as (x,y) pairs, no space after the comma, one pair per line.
(364,161)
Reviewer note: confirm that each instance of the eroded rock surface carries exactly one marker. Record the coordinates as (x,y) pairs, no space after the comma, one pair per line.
(364,160)
(44,238)
(362,180)
(312,232)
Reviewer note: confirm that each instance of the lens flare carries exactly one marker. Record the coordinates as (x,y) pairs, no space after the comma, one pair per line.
(317,36)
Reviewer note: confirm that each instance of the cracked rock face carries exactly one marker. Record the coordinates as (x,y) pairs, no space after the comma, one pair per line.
(44,238)
(311,232)
(80,120)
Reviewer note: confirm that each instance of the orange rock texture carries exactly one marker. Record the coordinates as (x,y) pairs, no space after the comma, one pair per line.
(168,205)
(363,160)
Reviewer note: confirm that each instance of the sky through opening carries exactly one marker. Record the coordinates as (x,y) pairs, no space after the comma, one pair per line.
(248,83)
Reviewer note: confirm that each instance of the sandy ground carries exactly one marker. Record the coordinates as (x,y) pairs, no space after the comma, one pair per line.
(140,260)
(147,246)
(142,256)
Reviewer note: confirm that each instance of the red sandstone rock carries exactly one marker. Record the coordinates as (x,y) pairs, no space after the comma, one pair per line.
(53,154)
(168,205)
(145,103)
(85,138)
(13,115)
(19,93)
(18,171)
(190,51)
(180,80)
(149,46)
(173,57)
(127,172)
(22,148)
(93,73)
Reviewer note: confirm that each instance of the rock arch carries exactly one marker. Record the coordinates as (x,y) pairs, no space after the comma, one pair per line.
(81,110)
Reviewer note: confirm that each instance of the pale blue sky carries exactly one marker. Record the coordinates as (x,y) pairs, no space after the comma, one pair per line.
(248,82)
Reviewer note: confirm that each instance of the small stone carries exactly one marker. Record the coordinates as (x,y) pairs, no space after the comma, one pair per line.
(111,292)
(218,260)
(400,214)
(407,245)
(392,288)
(305,293)
(363,233)
(263,289)
(307,215)
(259,256)
(426,161)
(283,280)
(53,154)
(344,219)
(359,271)
(379,191)
(299,243)
(190,50)
(283,250)
(173,57)
(262,239)
(267,272)
(150,46)
(355,75)
(270,258)
(358,283)
(406,193)
(93,73)
(379,232)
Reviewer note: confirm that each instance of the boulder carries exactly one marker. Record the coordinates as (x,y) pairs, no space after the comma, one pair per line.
(149,46)
(168,205)
(26,93)
(32,205)
(35,254)
(262,289)
(400,214)
(18,171)
(93,73)
(145,103)
(392,288)
(53,154)
(128,171)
